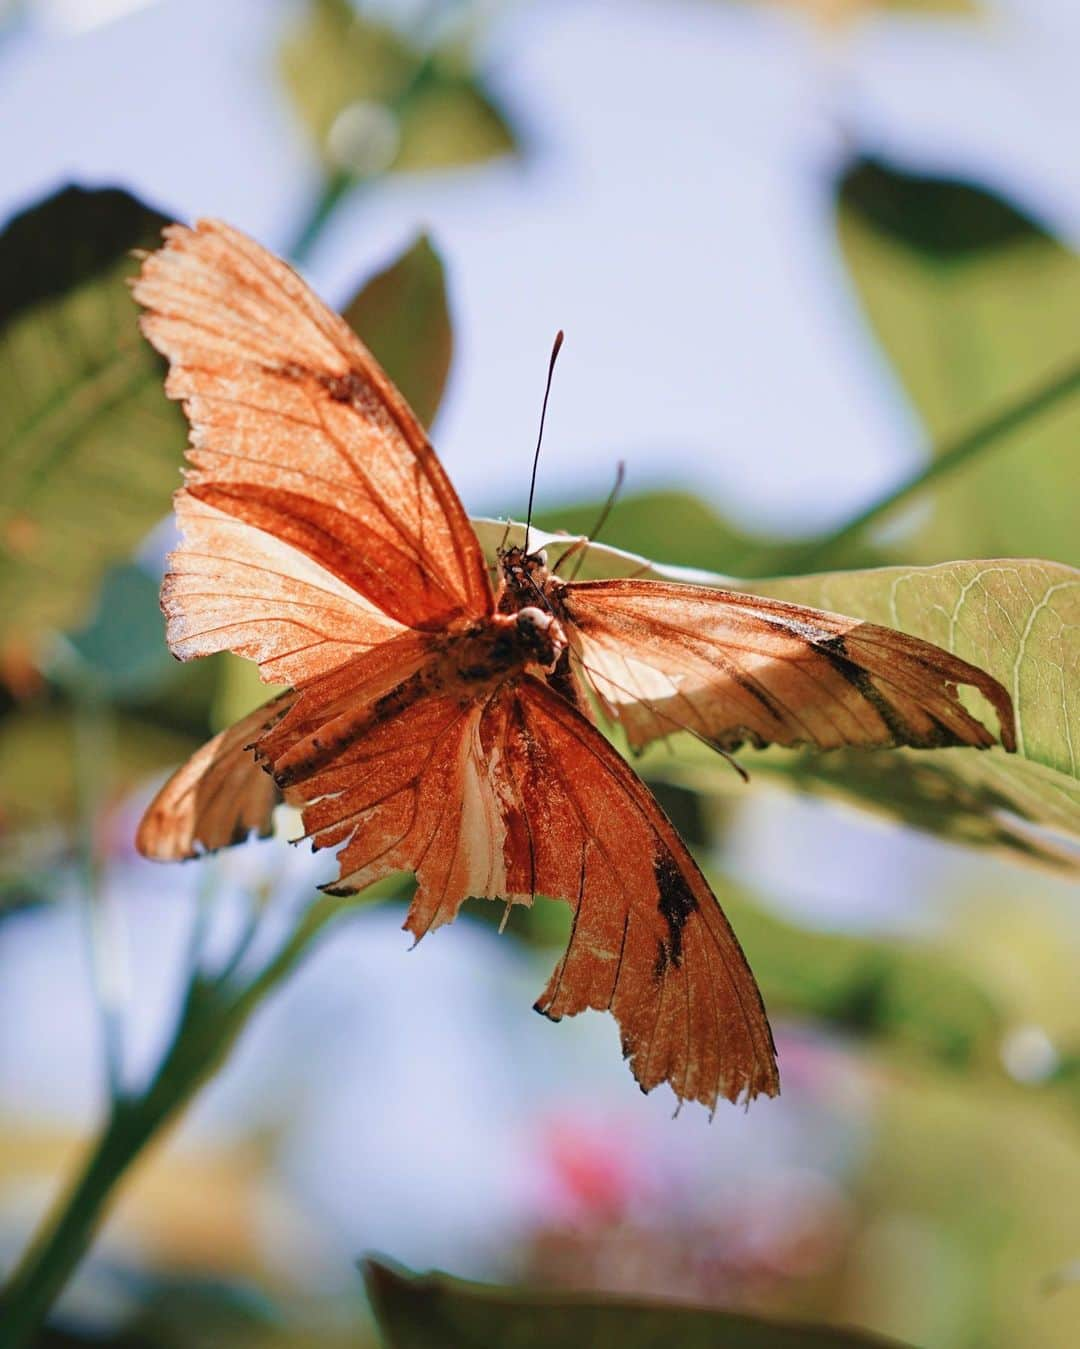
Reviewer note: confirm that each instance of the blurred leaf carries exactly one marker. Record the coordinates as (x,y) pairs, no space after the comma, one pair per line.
(975,305)
(675,525)
(122,648)
(37,763)
(376,101)
(1020,620)
(403,316)
(434,1311)
(90,448)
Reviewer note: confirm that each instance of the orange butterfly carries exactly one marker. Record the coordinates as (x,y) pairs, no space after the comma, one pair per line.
(440,726)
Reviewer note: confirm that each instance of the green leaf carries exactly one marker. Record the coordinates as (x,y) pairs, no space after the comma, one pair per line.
(434,1311)
(975,304)
(376,101)
(403,316)
(90,448)
(1018,619)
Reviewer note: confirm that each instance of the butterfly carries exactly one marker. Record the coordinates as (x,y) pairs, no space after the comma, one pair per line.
(442,721)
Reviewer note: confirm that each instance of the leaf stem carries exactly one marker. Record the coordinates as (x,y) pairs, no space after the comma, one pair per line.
(334,188)
(945,460)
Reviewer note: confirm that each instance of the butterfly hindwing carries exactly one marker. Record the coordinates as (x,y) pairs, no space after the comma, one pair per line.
(218,797)
(513,794)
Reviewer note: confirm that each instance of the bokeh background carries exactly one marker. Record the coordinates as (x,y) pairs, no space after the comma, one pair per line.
(792,245)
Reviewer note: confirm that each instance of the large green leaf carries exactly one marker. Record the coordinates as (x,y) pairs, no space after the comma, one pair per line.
(403,316)
(90,449)
(375,100)
(975,304)
(434,1311)
(1018,619)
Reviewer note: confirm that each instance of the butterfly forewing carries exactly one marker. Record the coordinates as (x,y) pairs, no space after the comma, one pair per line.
(298,433)
(732,668)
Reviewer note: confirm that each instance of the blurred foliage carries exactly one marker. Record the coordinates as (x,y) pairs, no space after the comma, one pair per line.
(434,1311)
(678,527)
(90,450)
(966,1202)
(403,316)
(975,304)
(376,99)
(905,994)
(1019,620)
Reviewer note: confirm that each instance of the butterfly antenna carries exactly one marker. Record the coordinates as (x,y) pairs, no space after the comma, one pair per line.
(556,345)
(594,533)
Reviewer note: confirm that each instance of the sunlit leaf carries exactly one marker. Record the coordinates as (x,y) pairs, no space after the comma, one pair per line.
(403,316)
(90,449)
(976,305)
(374,100)
(1017,619)
(434,1311)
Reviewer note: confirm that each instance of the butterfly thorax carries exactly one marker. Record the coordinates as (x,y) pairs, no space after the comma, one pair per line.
(506,643)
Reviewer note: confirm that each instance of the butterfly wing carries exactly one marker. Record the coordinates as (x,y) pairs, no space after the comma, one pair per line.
(313,490)
(513,794)
(732,668)
(218,797)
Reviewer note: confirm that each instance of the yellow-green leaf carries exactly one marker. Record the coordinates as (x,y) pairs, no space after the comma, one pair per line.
(975,304)
(90,449)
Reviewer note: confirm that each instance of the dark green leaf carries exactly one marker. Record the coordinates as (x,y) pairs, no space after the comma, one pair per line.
(975,304)
(90,448)
(403,316)
(433,1311)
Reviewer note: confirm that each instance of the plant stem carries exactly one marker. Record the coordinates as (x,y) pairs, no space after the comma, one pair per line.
(334,188)
(825,550)
(93,754)
(211,1020)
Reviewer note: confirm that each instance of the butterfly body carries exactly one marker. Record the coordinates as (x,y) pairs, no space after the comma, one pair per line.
(436,725)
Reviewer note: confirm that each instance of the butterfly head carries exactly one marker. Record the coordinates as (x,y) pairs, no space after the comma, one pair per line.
(526,580)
